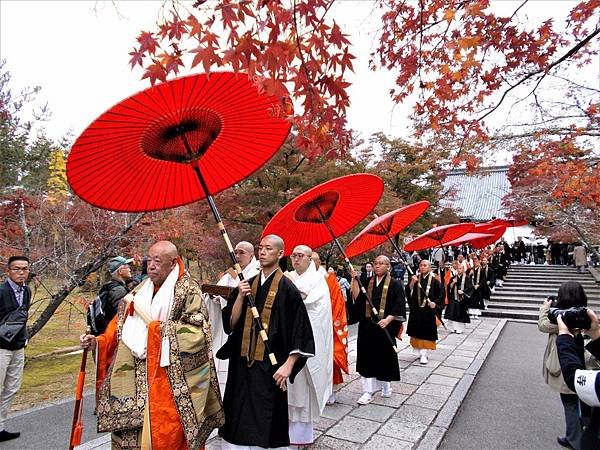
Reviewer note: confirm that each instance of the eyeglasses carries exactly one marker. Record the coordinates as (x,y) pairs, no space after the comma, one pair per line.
(297,255)
(19,269)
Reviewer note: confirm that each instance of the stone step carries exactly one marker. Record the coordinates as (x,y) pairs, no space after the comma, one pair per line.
(540,292)
(550,282)
(514,306)
(525,267)
(528,271)
(546,286)
(505,299)
(510,314)
(540,279)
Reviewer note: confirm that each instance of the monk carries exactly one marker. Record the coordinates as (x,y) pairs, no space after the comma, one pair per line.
(156,379)
(340,326)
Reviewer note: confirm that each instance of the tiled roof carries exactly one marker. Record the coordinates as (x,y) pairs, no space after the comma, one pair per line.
(477,196)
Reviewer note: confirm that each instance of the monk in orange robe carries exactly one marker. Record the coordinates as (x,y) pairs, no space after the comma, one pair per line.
(156,380)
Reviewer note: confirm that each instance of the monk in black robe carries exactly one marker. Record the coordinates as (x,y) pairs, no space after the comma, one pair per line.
(483,282)
(255,401)
(376,360)
(460,290)
(426,302)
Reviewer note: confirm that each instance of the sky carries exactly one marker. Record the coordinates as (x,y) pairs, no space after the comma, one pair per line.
(77,52)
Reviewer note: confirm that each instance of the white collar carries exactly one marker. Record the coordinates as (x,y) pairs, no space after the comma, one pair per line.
(263,278)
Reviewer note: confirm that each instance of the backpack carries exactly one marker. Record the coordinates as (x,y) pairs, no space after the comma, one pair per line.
(96,317)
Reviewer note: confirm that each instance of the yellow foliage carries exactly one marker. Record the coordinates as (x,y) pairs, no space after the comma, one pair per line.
(58,189)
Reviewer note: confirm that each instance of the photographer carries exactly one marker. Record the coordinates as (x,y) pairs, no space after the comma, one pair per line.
(570,294)
(586,383)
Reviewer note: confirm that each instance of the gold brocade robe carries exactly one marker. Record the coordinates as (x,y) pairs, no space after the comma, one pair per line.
(187,389)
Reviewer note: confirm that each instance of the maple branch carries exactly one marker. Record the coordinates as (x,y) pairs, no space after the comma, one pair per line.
(298,165)
(517,10)
(544,72)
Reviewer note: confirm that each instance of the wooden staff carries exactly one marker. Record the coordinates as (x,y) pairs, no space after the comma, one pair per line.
(410,271)
(236,265)
(375,313)
(77,425)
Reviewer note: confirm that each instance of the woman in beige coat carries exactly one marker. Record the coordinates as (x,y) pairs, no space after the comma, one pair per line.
(570,294)
(580,258)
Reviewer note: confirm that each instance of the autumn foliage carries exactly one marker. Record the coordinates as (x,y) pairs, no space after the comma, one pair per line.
(457,61)
(557,183)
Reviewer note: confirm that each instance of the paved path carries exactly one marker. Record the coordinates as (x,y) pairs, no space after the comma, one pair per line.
(509,406)
(417,416)
(48,426)
(423,405)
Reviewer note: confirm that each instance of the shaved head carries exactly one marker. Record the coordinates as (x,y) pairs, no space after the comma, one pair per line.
(162,259)
(301,258)
(381,265)
(244,252)
(274,240)
(304,249)
(316,259)
(246,246)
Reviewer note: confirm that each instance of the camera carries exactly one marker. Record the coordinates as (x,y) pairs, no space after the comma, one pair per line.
(575,318)
(553,301)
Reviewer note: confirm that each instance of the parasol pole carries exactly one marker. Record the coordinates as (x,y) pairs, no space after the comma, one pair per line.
(375,314)
(77,425)
(236,265)
(410,271)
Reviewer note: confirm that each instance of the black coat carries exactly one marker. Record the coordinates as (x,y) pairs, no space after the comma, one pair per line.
(8,303)
(421,320)
(256,410)
(571,360)
(458,305)
(376,357)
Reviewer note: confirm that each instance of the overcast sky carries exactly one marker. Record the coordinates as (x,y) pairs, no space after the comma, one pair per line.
(77,51)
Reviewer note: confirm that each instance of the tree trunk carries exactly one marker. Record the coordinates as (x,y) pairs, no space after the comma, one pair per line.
(78,278)
(24,228)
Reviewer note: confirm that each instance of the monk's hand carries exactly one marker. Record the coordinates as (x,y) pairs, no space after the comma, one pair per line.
(243,289)
(282,374)
(87,341)
(353,273)
(384,322)
(460,292)
(413,280)
(431,304)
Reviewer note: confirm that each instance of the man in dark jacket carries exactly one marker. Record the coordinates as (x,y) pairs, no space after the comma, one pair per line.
(115,289)
(585,383)
(15,299)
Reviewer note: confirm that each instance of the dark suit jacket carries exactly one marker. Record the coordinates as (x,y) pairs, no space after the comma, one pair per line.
(8,303)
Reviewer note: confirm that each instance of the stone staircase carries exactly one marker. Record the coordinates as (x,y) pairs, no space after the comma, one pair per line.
(526,286)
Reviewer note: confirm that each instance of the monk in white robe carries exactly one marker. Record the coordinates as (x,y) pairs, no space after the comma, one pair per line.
(244,252)
(308,394)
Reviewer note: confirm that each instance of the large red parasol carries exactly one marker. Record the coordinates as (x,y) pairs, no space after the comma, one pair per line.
(495,233)
(339,204)
(469,237)
(438,236)
(384,227)
(141,154)
(324,213)
(175,143)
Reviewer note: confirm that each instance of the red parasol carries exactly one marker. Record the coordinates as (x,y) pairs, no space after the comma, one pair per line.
(141,154)
(495,233)
(508,223)
(438,236)
(383,227)
(469,237)
(339,204)
(177,142)
(325,212)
